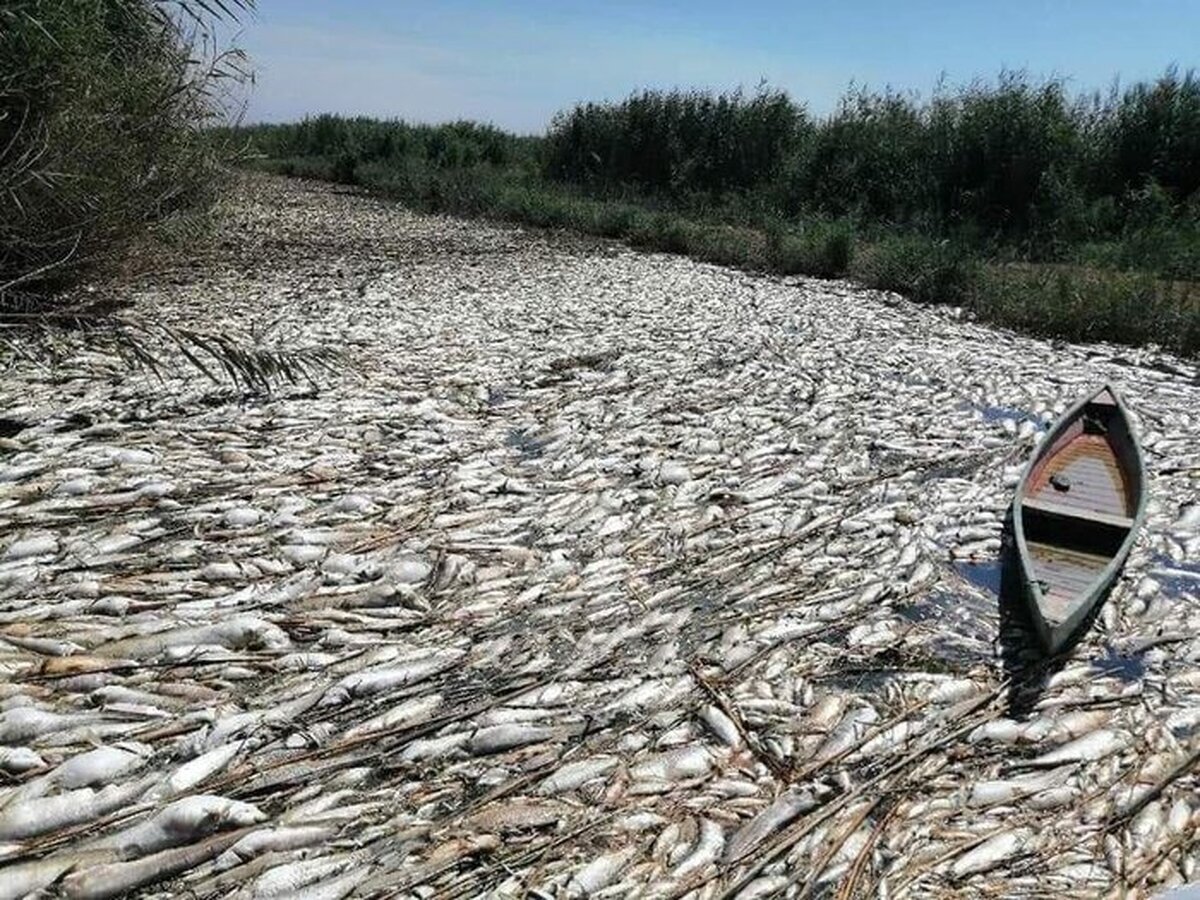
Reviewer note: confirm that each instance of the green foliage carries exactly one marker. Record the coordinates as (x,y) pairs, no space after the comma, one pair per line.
(929,271)
(1002,157)
(1149,133)
(675,142)
(1090,305)
(349,142)
(865,160)
(821,248)
(1014,167)
(102,111)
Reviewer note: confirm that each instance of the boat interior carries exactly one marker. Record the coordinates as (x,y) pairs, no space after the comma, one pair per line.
(1079,505)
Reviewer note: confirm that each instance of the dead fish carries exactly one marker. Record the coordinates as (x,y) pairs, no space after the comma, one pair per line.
(183,821)
(790,804)
(838,446)
(367,683)
(766,886)
(953,690)
(39,815)
(407,713)
(287,880)
(518,815)
(498,738)
(653,693)
(237,633)
(101,765)
(1003,731)
(30,878)
(26,724)
(459,848)
(675,765)
(721,725)
(32,545)
(889,739)
(19,760)
(1072,725)
(1052,798)
(43,646)
(425,749)
(333,888)
(116,879)
(825,713)
(848,733)
(674,841)
(991,852)
(991,793)
(572,775)
(1088,748)
(599,873)
(707,850)
(1148,825)
(269,840)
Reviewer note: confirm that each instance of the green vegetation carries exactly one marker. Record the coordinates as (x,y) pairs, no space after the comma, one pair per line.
(103,106)
(1012,170)
(1078,218)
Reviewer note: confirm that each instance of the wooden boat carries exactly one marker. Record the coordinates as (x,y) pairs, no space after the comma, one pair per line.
(1078,507)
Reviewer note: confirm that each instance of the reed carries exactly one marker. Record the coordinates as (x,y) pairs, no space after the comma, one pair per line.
(103,111)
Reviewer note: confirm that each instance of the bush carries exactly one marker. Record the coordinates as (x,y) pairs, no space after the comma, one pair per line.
(671,142)
(102,112)
(344,168)
(928,271)
(1001,156)
(867,160)
(1151,132)
(1085,305)
(824,249)
(360,140)
(1013,166)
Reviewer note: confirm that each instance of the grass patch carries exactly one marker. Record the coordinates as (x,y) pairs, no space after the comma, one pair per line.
(926,270)
(1082,304)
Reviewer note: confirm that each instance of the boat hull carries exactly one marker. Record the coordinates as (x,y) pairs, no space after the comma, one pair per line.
(1077,510)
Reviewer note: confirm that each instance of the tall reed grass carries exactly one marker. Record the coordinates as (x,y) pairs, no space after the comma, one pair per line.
(103,111)
(1012,166)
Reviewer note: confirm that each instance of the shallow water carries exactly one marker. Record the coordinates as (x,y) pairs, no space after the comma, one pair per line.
(992,414)
(982,574)
(1127,667)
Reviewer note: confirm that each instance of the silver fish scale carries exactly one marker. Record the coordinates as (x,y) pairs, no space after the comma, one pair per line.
(595,573)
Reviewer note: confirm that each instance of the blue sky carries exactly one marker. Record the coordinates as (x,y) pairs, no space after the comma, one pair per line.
(515,64)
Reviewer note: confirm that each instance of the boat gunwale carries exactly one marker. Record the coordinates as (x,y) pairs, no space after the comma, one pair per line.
(1054,635)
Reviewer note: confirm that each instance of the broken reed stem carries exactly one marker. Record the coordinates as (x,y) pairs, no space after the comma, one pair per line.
(778,769)
(1183,768)
(846,890)
(830,852)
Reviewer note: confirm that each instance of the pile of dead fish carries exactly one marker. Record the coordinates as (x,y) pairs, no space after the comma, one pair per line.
(595,574)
